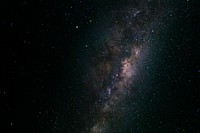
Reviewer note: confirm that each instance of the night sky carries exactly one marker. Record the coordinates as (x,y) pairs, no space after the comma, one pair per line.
(104,66)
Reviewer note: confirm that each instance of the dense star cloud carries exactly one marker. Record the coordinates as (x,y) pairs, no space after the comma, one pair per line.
(129,34)
(104,66)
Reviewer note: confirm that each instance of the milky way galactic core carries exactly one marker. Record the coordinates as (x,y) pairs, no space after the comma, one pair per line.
(116,66)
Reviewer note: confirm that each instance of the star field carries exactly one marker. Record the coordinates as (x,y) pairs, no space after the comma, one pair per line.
(117,66)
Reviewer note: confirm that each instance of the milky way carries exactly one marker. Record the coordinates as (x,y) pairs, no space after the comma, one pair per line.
(116,65)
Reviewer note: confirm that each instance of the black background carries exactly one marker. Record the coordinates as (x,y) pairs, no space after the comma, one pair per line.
(43,59)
